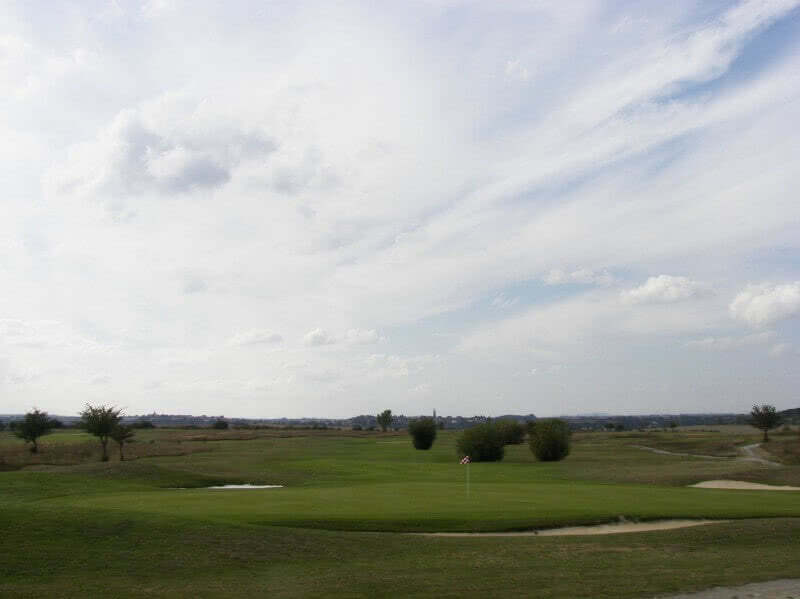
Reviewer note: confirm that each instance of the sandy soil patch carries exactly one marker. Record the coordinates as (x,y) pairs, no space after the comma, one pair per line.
(246,487)
(774,589)
(742,485)
(225,487)
(599,529)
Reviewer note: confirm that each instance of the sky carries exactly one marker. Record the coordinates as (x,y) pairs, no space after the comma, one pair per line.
(268,209)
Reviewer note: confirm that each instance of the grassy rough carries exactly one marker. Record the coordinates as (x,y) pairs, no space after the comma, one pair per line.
(121,529)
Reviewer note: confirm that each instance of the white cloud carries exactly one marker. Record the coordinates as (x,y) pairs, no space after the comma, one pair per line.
(729,342)
(42,335)
(289,173)
(779,349)
(255,337)
(664,289)
(760,305)
(362,336)
(516,70)
(503,302)
(168,146)
(582,276)
(318,337)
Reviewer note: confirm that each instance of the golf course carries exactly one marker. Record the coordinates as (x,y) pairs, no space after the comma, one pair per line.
(339,523)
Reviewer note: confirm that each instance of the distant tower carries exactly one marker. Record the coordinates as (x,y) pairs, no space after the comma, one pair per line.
(434,414)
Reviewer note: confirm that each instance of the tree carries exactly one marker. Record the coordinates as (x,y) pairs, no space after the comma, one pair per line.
(549,439)
(122,434)
(101,421)
(220,424)
(482,443)
(384,419)
(423,432)
(764,418)
(34,425)
(2,425)
(513,432)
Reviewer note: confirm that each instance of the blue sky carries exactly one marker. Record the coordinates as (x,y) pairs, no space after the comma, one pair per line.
(300,208)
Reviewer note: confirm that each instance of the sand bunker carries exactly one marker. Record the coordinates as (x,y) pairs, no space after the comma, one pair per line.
(238,487)
(599,529)
(246,487)
(742,486)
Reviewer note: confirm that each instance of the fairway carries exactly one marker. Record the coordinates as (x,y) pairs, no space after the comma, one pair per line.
(340,486)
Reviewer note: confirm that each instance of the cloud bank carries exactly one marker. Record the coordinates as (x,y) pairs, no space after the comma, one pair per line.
(330,209)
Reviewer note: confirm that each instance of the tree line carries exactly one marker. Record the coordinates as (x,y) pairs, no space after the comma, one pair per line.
(104,422)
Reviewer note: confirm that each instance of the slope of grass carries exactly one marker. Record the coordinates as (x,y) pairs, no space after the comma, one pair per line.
(123,555)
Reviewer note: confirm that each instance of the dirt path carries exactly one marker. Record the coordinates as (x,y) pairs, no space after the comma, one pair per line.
(774,589)
(598,529)
(684,455)
(749,454)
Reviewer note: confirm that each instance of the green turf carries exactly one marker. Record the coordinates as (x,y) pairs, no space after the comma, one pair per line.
(125,527)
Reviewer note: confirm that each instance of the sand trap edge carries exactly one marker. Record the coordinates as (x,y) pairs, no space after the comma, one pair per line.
(597,529)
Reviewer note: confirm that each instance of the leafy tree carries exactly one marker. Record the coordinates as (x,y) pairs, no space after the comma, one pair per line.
(220,424)
(513,432)
(764,418)
(549,439)
(423,432)
(143,424)
(384,419)
(122,434)
(482,443)
(101,421)
(2,425)
(34,425)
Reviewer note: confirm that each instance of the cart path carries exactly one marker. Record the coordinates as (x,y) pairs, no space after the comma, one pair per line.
(749,454)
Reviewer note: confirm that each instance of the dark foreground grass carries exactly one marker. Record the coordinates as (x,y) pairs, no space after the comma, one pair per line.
(83,553)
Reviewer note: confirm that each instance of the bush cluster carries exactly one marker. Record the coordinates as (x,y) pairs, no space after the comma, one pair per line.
(423,432)
(482,443)
(549,439)
(512,431)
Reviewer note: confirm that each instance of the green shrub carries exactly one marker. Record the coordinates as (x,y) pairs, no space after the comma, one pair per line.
(423,432)
(512,431)
(549,439)
(220,424)
(482,443)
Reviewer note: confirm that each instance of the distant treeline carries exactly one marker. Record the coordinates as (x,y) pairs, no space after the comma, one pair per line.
(400,421)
